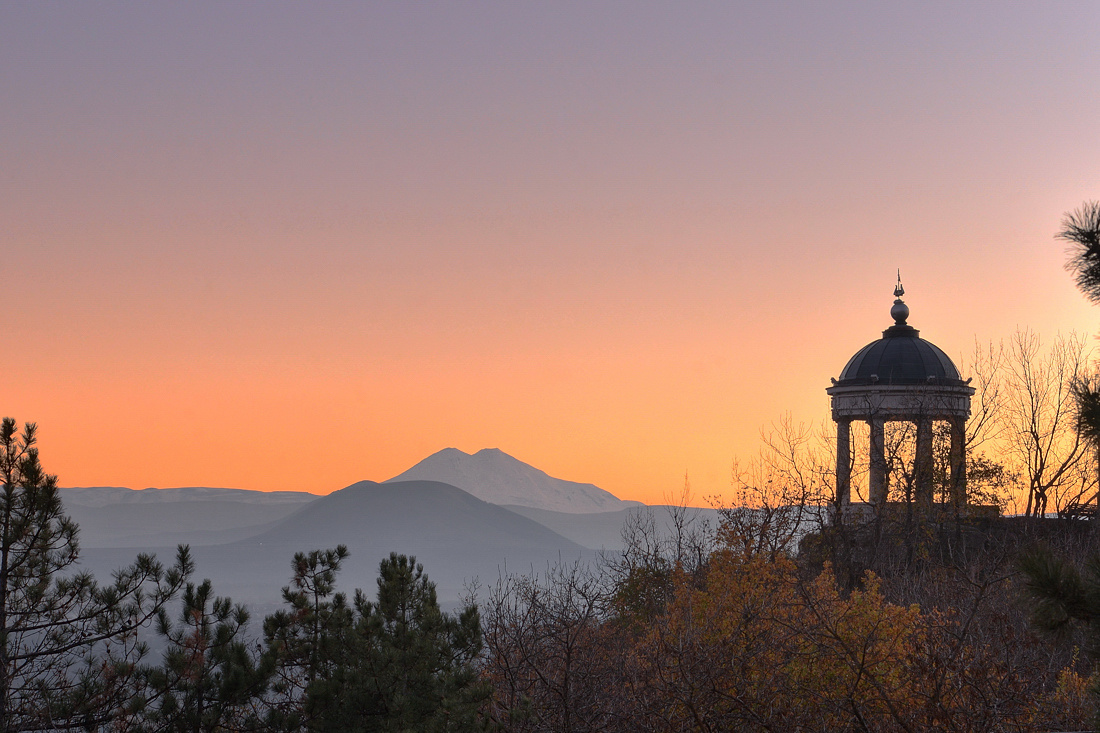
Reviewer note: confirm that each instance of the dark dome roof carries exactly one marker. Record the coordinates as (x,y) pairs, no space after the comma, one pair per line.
(900,357)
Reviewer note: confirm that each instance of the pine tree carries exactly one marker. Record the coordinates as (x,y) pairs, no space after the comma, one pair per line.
(69,652)
(209,679)
(1064,597)
(408,665)
(1061,594)
(307,641)
(1081,228)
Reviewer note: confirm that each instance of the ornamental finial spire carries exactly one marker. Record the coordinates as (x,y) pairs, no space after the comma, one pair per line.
(900,311)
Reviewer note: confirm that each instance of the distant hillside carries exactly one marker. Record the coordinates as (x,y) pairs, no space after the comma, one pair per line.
(496,477)
(111,516)
(104,495)
(457,536)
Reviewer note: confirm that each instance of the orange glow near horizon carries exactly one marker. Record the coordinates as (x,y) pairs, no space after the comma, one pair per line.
(316,247)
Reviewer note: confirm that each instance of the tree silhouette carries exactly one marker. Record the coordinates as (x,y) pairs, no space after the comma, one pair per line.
(408,665)
(1081,228)
(69,650)
(1061,594)
(209,678)
(308,640)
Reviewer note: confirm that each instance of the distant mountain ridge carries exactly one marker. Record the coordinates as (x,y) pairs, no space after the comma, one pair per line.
(94,496)
(496,477)
(457,536)
(112,516)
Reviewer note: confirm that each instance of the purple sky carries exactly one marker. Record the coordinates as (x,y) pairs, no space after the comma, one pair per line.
(611,239)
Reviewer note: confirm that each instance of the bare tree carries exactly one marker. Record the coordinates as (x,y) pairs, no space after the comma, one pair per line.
(1039,417)
(985,369)
(544,655)
(782,493)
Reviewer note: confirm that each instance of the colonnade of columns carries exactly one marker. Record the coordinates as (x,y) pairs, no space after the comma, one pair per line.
(923,468)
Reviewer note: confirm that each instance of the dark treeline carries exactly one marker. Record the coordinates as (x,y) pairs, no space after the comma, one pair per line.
(71,656)
(691,628)
(725,630)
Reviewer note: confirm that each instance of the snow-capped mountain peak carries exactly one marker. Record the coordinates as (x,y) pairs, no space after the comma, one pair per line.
(496,477)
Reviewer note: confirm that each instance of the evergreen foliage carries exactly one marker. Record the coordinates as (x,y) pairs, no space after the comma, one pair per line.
(397,663)
(209,678)
(1061,593)
(1081,228)
(307,641)
(70,656)
(69,652)
(1064,597)
(406,665)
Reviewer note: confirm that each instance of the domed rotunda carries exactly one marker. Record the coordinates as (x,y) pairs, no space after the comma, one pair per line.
(901,378)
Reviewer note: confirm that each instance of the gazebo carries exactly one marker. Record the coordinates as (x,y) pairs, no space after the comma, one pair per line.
(900,378)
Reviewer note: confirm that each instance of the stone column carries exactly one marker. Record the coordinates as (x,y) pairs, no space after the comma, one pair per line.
(876,478)
(844,462)
(958,462)
(922,469)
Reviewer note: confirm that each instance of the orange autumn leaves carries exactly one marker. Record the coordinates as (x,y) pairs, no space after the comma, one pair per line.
(747,643)
(754,641)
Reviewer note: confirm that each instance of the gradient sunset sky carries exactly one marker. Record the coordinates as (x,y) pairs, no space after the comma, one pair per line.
(292,246)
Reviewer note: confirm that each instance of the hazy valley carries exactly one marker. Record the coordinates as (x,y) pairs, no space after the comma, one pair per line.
(244,540)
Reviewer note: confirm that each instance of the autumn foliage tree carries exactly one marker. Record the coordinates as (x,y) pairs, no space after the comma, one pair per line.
(754,640)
